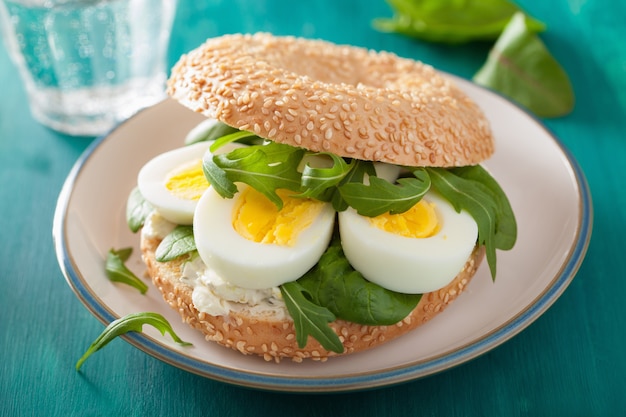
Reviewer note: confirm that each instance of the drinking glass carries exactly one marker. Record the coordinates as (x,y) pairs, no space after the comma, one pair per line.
(88,64)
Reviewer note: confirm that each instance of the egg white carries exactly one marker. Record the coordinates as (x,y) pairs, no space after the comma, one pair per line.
(409,265)
(249,264)
(152,178)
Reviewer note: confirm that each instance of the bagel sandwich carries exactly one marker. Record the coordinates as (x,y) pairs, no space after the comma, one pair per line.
(332,201)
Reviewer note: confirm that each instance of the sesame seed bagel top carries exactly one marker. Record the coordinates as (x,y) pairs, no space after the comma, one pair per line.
(331,98)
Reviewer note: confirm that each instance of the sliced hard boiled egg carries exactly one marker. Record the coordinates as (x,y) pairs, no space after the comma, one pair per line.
(251,244)
(174,181)
(415,252)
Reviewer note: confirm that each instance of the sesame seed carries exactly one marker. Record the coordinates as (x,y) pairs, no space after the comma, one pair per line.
(227,76)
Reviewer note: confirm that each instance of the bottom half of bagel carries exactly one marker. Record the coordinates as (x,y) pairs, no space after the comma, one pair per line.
(275,338)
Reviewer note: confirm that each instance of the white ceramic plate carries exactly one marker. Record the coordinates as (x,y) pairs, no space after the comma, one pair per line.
(546,188)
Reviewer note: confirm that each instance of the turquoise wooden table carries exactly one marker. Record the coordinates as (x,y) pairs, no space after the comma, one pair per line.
(571,361)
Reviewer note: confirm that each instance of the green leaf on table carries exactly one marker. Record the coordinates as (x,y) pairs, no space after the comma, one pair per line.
(336,285)
(265,168)
(137,210)
(130,323)
(521,67)
(178,242)
(309,318)
(451,21)
(116,270)
(381,196)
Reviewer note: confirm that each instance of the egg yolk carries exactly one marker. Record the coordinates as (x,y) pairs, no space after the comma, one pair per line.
(419,221)
(256,218)
(187,182)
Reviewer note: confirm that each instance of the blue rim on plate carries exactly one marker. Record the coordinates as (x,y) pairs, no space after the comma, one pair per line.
(335,382)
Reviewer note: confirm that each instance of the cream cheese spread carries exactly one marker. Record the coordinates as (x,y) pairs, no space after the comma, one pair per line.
(211,293)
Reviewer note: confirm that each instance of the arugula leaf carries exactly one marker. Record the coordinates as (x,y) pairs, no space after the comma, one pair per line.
(319,181)
(334,284)
(359,171)
(484,203)
(381,196)
(208,130)
(521,67)
(177,243)
(309,318)
(137,210)
(116,271)
(237,135)
(218,178)
(130,323)
(451,21)
(506,226)
(266,168)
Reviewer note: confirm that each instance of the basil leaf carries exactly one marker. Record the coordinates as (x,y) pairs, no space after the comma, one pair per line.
(483,203)
(317,182)
(177,243)
(130,323)
(265,168)
(137,210)
(381,196)
(116,271)
(521,67)
(208,130)
(451,21)
(334,284)
(310,319)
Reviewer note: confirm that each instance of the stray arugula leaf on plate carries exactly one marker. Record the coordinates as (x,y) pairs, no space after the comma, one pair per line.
(117,271)
(130,323)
